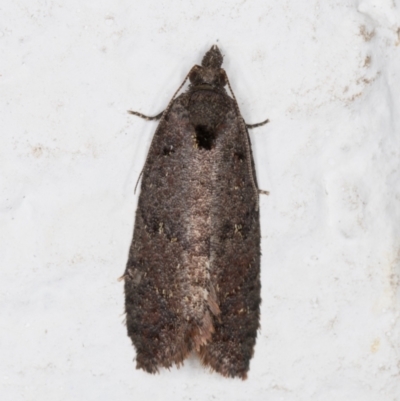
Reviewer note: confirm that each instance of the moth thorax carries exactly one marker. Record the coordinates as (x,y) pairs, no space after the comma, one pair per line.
(208,76)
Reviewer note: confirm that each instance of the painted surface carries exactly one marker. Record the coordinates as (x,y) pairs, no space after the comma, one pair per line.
(326,74)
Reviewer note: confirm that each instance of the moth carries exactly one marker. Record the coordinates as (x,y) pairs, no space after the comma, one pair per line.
(192,280)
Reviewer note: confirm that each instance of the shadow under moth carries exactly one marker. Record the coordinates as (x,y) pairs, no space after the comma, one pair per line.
(192,281)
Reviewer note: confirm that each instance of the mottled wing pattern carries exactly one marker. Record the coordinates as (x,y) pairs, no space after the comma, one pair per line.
(235,252)
(192,279)
(154,274)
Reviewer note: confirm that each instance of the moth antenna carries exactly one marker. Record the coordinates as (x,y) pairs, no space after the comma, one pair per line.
(148,118)
(258,124)
(248,151)
(140,175)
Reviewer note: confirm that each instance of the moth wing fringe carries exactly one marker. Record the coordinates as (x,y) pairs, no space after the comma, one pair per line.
(211,363)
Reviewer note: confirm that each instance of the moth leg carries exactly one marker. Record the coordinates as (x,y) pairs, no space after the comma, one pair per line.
(136,113)
(258,124)
(263,192)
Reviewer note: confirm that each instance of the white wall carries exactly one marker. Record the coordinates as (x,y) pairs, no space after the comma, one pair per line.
(326,73)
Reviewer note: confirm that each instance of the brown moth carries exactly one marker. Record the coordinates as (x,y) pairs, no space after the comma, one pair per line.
(192,281)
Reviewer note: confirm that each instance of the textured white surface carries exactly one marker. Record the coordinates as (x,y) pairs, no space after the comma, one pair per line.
(326,73)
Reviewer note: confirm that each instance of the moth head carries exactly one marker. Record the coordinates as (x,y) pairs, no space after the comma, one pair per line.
(213,58)
(210,71)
